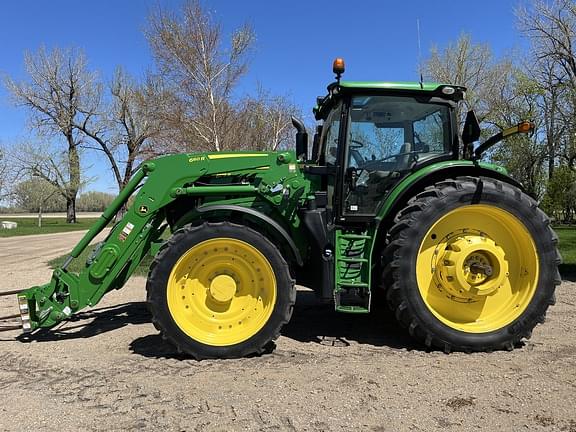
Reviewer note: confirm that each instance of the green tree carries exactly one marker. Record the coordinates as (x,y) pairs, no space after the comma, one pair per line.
(37,195)
(550,27)
(523,155)
(560,198)
(94,201)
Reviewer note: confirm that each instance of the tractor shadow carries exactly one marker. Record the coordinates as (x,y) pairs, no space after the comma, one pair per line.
(103,320)
(568,272)
(311,322)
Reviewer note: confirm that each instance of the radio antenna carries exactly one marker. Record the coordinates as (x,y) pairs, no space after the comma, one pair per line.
(419,53)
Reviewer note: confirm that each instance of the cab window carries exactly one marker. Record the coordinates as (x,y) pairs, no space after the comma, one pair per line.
(387,137)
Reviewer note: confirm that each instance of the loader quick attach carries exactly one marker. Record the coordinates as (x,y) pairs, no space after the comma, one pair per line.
(393,206)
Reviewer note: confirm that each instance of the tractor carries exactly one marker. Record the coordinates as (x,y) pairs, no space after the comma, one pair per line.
(392,211)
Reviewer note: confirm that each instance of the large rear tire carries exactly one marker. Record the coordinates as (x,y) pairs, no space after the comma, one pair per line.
(472,265)
(220,290)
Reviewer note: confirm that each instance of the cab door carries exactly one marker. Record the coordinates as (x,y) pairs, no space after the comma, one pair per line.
(330,145)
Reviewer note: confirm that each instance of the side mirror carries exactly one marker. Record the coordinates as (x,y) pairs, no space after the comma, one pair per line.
(470,133)
(301,139)
(525,126)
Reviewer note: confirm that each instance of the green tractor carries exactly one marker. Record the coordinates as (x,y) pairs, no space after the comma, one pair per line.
(393,206)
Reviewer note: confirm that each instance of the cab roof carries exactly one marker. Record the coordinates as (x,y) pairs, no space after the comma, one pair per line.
(395,85)
(335,90)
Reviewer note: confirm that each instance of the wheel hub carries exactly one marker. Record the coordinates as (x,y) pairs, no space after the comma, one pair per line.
(472,265)
(477,268)
(222,288)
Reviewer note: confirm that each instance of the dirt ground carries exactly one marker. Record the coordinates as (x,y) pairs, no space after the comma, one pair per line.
(109,370)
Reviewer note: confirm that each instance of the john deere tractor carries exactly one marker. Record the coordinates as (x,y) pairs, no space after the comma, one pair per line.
(392,205)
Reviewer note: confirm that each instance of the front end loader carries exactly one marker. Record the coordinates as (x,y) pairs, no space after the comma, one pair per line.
(393,205)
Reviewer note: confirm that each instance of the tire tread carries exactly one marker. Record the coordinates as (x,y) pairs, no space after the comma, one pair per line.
(393,255)
(153,297)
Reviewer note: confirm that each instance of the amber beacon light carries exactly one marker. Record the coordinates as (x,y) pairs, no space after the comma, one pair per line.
(525,127)
(338,67)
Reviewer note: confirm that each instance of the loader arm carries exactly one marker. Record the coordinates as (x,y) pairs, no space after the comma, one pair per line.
(154,186)
(113,260)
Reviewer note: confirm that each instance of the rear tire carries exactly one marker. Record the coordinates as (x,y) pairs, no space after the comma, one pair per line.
(472,265)
(220,290)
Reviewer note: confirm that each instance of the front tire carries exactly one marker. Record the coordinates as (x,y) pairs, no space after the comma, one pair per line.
(472,265)
(220,290)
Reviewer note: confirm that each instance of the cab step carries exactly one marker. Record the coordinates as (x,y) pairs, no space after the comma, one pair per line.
(355,237)
(352,281)
(353,260)
(352,299)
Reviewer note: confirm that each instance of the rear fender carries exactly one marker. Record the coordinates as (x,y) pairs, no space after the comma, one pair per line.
(419,180)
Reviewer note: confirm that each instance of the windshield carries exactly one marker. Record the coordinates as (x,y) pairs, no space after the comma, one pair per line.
(389,135)
(397,131)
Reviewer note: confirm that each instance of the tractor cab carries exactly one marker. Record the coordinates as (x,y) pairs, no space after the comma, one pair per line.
(373,134)
(378,147)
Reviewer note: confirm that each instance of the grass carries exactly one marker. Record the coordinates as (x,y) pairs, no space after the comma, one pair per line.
(567,236)
(29,226)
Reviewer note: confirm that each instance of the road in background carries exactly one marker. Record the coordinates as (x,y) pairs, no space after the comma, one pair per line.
(81,215)
(23,259)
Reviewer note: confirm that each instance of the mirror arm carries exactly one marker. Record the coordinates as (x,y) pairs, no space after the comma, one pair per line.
(495,139)
(522,127)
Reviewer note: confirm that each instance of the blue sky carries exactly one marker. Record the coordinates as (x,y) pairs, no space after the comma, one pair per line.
(296,41)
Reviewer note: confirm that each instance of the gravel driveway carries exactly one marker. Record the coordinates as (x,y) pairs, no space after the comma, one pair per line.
(109,370)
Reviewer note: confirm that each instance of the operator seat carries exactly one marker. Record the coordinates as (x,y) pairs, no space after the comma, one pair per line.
(403,162)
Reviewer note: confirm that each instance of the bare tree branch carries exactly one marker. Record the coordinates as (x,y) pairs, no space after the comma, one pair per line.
(57,94)
(201,72)
(550,27)
(473,66)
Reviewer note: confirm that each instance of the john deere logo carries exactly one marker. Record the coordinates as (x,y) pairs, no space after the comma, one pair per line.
(143,209)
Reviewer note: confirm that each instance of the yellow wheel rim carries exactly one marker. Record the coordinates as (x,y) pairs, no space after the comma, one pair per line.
(221,291)
(477,268)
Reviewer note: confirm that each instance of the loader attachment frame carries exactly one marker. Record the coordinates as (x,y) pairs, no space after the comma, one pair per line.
(155,187)
(111,264)
(9,322)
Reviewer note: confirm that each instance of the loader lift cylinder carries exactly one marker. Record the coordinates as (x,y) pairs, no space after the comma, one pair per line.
(110,212)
